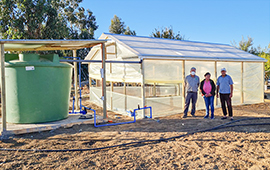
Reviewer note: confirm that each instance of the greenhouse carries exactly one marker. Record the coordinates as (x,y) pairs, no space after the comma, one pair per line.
(156,76)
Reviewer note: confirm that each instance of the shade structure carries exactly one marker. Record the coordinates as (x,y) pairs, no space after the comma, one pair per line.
(41,45)
(158,80)
(47,45)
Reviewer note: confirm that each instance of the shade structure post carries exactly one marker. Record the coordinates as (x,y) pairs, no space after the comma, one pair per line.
(242,82)
(143,88)
(76,80)
(3,91)
(183,85)
(103,77)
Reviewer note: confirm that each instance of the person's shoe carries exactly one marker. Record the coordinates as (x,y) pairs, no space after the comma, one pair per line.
(193,115)
(225,117)
(231,118)
(206,117)
(184,116)
(212,117)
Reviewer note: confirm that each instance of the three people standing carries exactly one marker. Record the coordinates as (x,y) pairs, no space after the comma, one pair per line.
(208,88)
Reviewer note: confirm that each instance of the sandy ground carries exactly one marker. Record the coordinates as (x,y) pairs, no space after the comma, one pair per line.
(245,147)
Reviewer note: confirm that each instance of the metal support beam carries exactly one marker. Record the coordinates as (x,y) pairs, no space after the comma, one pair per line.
(76,81)
(103,51)
(3,91)
(100,61)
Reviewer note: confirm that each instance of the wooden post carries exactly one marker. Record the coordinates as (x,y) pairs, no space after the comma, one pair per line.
(143,88)
(125,93)
(215,77)
(178,84)
(263,76)
(242,82)
(111,95)
(76,80)
(90,82)
(154,90)
(183,85)
(3,90)
(103,51)
(178,89)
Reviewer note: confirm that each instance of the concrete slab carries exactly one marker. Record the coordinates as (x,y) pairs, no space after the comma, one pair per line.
(73,119)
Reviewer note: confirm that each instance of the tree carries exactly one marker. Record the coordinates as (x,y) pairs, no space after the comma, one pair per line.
(129,32)
(245,45)
(168,33)
(118,27)
(45,19)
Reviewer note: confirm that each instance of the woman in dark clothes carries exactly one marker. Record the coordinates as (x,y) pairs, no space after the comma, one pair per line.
(208,88)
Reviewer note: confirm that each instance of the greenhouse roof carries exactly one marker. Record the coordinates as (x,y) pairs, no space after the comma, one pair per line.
(149,47)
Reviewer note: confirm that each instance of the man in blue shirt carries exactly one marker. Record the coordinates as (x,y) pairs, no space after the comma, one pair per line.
(225,90)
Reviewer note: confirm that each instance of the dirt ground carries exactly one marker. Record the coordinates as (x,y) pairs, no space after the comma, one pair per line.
(246,147)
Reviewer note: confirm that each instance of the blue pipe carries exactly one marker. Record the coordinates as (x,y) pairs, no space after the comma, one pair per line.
(121,123)
(72,57)
(81,111)
(73,104)
(91,110)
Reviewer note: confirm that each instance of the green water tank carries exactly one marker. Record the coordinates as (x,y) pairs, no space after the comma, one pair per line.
(37,88)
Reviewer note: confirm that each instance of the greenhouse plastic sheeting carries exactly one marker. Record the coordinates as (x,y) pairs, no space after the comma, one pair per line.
(164,106)
(117,72)
(253,83)
(167,77)
(150,47)
(162,71)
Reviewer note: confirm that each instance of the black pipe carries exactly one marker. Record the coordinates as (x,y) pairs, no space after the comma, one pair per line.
(222,126)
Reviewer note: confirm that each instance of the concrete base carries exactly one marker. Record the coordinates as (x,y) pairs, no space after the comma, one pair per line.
(73,119)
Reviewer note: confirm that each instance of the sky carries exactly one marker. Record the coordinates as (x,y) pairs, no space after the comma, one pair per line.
(217,21)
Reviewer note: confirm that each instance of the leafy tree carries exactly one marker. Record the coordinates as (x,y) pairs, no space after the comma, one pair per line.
(129,32)
(265,53)
(245,45)
(168,33)
(118,27)
(46,19)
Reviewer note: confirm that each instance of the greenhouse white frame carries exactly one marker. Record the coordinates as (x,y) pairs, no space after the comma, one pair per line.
(158,80)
